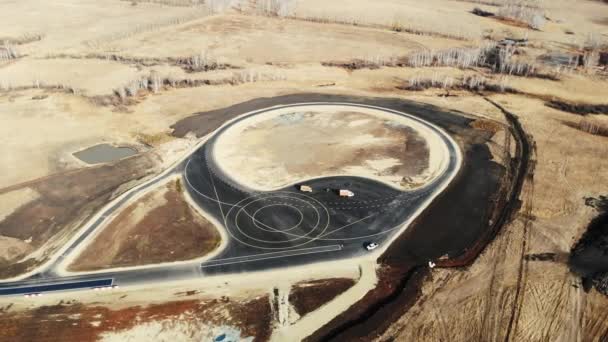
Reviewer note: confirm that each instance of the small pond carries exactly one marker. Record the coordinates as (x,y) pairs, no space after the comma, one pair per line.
(104,153)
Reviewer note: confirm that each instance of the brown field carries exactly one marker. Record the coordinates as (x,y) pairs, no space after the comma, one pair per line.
(201,319)
(159,227)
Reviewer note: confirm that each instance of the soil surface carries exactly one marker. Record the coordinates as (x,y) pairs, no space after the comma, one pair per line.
(159,227)
(201,320)
(578,108)
(309,296)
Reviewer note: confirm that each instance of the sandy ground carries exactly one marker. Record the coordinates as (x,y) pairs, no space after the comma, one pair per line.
(498,296)
(13,200)
(320,141)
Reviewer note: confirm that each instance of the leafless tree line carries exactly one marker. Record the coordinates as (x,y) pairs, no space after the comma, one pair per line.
(525,11)
(591,47)
(593,127)
(38,84)
(176,3)
(499,58)
(277,8)
(472,83)
(203,61)
(8,52)
(23,39)
(154,83)
(454,57)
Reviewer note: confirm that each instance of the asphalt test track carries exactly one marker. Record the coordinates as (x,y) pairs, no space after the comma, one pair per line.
(269,229)
(288,227)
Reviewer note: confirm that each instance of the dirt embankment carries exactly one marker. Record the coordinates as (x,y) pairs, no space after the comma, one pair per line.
(578,108)
(202,320)
(64,201)
(159,227)
(309,296)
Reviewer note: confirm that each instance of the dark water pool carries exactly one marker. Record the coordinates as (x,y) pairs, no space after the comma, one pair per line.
(104,153)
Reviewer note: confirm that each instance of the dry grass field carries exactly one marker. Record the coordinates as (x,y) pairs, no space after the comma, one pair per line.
(75,73)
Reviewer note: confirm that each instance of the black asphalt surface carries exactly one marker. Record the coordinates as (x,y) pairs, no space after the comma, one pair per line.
(302,226)
(55,286)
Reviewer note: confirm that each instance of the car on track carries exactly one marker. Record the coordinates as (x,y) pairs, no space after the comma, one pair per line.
(370,246)
(305,188)
(29,295)
(345,193)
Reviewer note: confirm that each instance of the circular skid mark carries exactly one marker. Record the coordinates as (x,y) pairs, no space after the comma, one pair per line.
(277,220)
(258,222)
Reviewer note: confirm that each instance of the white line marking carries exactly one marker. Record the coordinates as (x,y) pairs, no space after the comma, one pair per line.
(347,225)
(230,261)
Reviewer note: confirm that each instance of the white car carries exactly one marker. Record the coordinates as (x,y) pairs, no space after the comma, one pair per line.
(370,246)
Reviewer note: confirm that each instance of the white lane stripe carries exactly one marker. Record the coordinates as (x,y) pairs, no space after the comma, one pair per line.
(347,225)
(331,247)
(200,193)
(244,259)
(216,195)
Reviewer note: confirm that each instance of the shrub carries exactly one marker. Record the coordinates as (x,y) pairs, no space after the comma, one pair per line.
(8,52)
(593,127)
(277,8)
(472,83)
(523,11)
(454,57)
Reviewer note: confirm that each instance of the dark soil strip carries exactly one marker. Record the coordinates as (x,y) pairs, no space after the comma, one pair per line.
(309,296)
(520,167)
(478,11)
(578,108)
(523,170)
